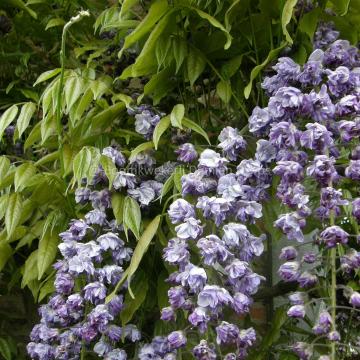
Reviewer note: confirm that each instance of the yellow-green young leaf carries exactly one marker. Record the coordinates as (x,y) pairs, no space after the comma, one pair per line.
(46,289)
(6,118)
(85,163)
(178,173)
(18,234)
(48,127)
(5,254)
(21,5)
(48,158)
(34,136)
(26,113)
(30,269)
(195,127)
(55,22)
(4,166)
(216,24)
(229,68)
(177,114)
(3,205)
(72,90)
(140,148)
(83,104)
(47,75)
(342,6)
(109,168)
(132,216)
(286,17)
(117,204)
(47,251)
(156,11)
(180,52)
(7,180)
(223,89)
(167,186)
(142,247)
(13,213)
(139,289)
(105,117)
(195,65)
(126,6)
(256,70)
(100,86)
(160,128)
(23,174)
(67,156)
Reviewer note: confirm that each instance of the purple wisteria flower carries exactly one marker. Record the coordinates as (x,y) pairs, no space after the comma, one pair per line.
(186,153)
(211,163)
(333,235)
(231,143)
(296,311)
(289,271)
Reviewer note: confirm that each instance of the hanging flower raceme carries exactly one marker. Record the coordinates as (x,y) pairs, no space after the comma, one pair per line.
(77,318)
(210,225)
(312,117)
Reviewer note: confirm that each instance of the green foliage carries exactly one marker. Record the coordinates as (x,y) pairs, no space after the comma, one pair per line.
(203,60)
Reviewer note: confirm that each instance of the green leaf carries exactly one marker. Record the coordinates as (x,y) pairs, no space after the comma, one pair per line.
(23,174)
(142,247)
(67,156)
(139,289)
(180,52)
(216,24)
(309,21)
(5,349)
(177,114)
(109,168)
(47,75)
(6,118)
(146,61)
(47,251)
(223,89)
(21,5)
(117,204)
(341,6)
(178,173)
(286,17)
(54,22)
(126,6)
(160,128)
(30,269)
(5,254)
(140,148)
(84,103)
(230,68)
(46,289)
(156,11)
(72,91)
(132,216)
(256,70)
(35,135)
(195,127)
(105,117)
(167,185)
(86,163)
(4,166)
(229,12)
(26,113)
(13,213)
(195,65)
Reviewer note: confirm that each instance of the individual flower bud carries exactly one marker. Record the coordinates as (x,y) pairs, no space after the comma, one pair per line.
(176,340)
(334,336)
(309,257)
(186,153)
(288,253)
(333,235)
(355,299)
(296,311)
(289,271)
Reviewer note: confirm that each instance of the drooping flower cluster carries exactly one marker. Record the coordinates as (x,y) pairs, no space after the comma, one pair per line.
(312,117)
(77,317)
(214,195)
